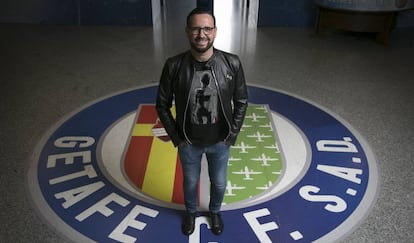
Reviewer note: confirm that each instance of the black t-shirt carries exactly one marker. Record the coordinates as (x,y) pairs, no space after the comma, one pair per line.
(206,124)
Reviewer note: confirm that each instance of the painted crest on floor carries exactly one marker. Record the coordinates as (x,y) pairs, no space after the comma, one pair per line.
(108,173)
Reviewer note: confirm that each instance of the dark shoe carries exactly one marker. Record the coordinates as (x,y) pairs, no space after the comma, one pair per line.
(216,223)
(188,224)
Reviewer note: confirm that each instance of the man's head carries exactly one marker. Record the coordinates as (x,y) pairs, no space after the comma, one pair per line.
(200,11)
(201,30)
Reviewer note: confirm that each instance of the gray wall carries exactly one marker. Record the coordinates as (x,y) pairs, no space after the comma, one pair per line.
(288,13)
(85,12)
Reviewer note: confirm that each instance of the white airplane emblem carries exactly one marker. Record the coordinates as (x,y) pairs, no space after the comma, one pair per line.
(264,159)
(243,147)
(245,126)
(260,108)
(230,188)
(246,172)
(259,136)
(254,117)
(265,187)
(267,126)
(233,159)
(274,146)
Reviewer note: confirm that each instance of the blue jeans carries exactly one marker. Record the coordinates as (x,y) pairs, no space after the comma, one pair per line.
(217,156)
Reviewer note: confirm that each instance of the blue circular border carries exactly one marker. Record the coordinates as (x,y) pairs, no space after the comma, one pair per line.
(289,210)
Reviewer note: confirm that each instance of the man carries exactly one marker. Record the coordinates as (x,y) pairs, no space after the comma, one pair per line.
(210,94)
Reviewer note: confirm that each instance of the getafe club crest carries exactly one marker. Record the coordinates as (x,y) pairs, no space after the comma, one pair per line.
(153,165)
(297,173)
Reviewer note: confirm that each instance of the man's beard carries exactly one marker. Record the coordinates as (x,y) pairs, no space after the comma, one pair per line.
(204,49)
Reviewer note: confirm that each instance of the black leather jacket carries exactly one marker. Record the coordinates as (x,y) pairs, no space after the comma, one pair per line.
(175,84)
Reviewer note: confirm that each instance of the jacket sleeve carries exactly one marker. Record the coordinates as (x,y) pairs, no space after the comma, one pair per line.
(240,103)
(165,96)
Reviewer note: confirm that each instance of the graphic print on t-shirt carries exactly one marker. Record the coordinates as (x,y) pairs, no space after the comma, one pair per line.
(204,99)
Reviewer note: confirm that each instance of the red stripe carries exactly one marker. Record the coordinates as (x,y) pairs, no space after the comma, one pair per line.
(139,148)
(147,114)
(136,159)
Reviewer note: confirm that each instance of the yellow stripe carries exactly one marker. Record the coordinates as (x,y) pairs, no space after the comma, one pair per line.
(142,130)
(160,173)
(173,110)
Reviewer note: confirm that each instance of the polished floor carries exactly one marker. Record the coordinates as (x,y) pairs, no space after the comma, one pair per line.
(47,72)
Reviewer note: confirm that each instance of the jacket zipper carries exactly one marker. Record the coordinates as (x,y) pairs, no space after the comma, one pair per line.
(221,102)
(186,108)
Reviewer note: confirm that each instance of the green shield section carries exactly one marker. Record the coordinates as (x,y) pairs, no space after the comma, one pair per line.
(255,161)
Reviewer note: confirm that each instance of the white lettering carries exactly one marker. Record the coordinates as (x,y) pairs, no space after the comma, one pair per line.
(69,158)
(88,171)
(102,208)
(337,204)
(349,174)
(337,145)
(260,229)
(195,237)
(130,221)
(75,195)
(71,142)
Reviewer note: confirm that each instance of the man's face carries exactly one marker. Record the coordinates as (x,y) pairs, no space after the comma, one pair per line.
(201,32)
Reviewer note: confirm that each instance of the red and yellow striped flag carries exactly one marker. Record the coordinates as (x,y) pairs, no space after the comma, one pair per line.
(151,161)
